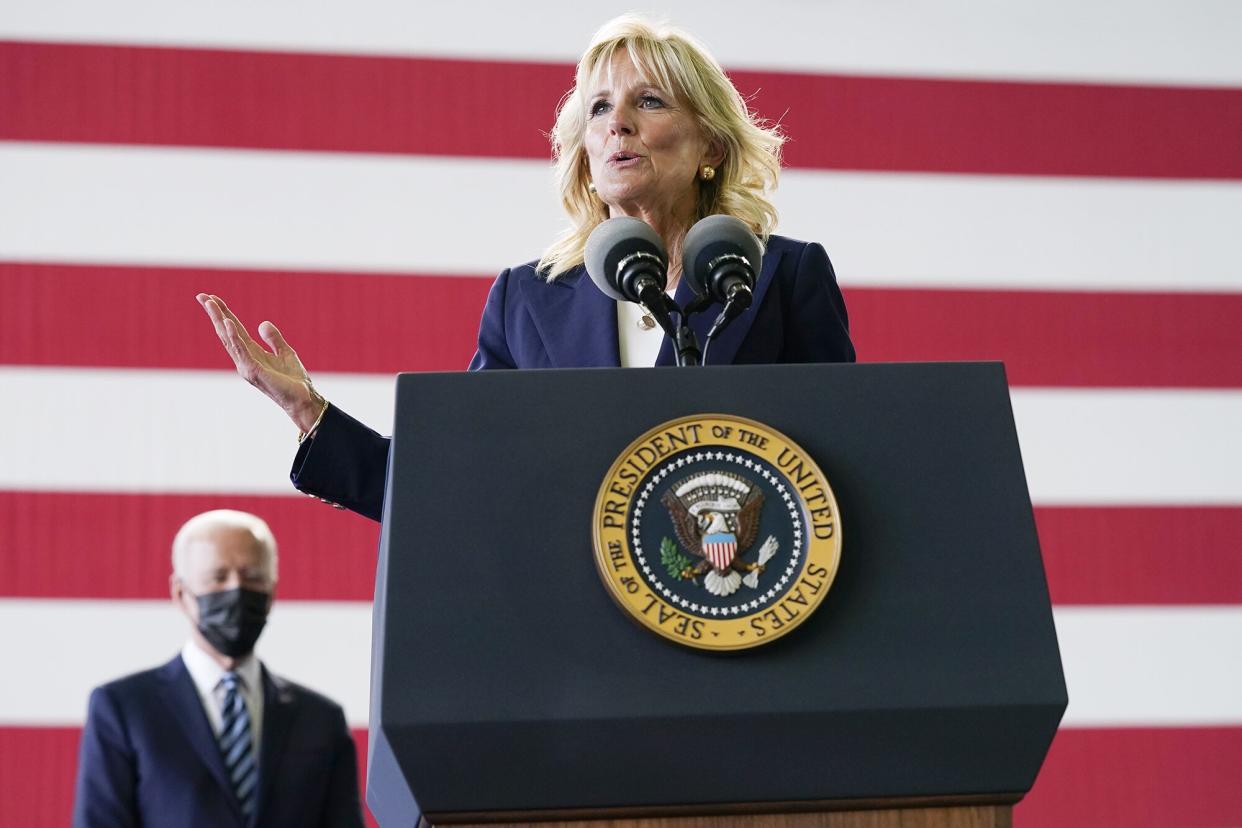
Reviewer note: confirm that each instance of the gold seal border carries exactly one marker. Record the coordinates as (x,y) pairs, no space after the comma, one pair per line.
(617,566)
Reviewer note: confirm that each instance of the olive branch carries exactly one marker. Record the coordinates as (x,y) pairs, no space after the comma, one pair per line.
(674,561)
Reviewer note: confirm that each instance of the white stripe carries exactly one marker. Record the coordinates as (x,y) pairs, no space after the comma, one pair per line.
(1019,232)
(1170,666)
(66,647)
(1105,447)
(174,431)
(477,216)
(1124,665)
(209,431)
(223,207)
(1194,41)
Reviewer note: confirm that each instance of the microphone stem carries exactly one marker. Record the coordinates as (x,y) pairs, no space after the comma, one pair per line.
(740,298)
(652,297)
(686,345)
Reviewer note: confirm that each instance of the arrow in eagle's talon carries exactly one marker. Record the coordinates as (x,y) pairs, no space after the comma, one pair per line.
(768,549)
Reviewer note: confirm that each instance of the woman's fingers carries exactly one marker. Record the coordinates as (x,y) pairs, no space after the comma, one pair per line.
(228,314)
(276,341)
(214,314)
(233,335)
(240,351)
(277,373)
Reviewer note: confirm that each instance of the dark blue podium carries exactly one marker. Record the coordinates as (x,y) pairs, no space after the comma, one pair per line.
(506,685)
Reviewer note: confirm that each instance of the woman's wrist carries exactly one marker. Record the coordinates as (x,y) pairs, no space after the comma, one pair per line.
(310,415)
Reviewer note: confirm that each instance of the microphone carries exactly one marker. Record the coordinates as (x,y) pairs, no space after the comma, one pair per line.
(627,261)
(721,258)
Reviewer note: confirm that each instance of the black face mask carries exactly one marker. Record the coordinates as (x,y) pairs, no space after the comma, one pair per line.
(232,619)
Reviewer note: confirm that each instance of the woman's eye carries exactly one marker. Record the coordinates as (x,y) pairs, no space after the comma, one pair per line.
(598,107)
(650,101)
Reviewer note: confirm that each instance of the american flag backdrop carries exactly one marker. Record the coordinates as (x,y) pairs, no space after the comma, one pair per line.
(1054,184)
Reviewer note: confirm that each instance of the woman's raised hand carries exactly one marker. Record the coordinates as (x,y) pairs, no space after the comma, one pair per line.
(278,373)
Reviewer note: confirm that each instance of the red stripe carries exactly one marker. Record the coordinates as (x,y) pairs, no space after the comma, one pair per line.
(140,95)
(38,766)
(1093,555)
(1048,338)
(146,317)
(1138,778)
(217,98)
(1142,555)
(1135,777)
(55,546)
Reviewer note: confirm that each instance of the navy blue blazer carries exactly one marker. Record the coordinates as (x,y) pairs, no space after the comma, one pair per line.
(798,315)
(148,757)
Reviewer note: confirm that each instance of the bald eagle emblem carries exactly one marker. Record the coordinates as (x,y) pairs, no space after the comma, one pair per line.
(716,518)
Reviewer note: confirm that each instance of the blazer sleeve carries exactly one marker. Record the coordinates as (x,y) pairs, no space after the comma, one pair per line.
(345,463)
(105,796)
(818,329)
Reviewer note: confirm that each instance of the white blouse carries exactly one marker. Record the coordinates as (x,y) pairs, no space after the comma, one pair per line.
(639,346)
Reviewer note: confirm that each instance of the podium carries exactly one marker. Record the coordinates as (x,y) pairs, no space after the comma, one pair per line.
(508,687)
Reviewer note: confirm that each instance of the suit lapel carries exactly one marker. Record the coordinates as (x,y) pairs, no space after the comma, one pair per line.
(187,709)
(577,323)
(725,347)
(280,706)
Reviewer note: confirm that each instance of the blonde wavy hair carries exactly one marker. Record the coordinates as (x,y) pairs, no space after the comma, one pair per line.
(682,66)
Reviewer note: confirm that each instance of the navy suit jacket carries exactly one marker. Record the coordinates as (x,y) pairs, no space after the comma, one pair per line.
(149,757)
(798,315)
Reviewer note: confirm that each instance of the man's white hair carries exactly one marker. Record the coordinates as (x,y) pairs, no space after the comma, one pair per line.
(228,518)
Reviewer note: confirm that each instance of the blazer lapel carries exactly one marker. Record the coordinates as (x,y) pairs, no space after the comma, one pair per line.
(575,320)
(187,708)
(280,706)
(725,347)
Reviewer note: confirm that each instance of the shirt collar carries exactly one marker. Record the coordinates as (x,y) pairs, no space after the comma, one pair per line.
(206,673)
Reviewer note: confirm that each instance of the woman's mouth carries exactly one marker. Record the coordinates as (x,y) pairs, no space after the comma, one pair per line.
(623,159)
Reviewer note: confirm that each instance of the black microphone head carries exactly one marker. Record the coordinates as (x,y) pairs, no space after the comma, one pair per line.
(717,236)
(616,241)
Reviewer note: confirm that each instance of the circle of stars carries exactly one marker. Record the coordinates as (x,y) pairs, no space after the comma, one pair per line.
(758,468)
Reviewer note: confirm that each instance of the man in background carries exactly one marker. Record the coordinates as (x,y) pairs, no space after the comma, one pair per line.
(212,738)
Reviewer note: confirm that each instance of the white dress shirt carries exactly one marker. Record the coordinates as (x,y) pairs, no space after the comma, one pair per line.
(206,674)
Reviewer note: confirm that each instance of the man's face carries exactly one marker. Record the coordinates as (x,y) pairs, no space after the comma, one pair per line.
(219,558)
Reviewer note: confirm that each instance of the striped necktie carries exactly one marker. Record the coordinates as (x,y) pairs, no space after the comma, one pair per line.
(235,745)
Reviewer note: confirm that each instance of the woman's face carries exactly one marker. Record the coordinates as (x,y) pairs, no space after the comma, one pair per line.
(643,147)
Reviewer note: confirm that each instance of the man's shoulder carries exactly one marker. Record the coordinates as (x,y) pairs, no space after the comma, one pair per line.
(133,697)
(141,681)
(290,690)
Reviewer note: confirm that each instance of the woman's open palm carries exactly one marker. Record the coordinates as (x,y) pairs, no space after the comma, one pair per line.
(277,372)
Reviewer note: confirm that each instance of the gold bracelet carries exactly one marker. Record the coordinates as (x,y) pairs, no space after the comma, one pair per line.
(303,435)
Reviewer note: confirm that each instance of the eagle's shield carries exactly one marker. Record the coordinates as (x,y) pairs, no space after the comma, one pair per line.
(720,548)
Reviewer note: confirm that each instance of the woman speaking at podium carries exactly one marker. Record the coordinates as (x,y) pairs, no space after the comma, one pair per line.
(652,129)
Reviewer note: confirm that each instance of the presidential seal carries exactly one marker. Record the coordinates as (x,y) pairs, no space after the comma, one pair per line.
(716,532)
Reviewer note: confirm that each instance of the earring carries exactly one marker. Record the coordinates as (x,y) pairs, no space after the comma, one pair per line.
(591,187)
(707,172)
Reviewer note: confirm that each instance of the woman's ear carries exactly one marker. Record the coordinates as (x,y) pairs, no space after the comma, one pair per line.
(715,152)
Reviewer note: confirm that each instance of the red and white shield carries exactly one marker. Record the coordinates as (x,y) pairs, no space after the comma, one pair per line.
(719,548)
